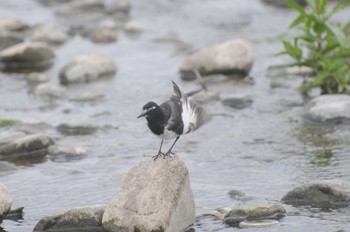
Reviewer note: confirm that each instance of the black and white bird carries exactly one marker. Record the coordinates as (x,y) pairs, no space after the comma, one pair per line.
(173,118)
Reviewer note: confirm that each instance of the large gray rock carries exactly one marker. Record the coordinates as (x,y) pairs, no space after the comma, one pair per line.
(30,145)
(5,201)
(232,57)
(83,219)
(49,35)
(31,55)
(252,213)
(321,194)
(328,109)
(154,196)
(87,68)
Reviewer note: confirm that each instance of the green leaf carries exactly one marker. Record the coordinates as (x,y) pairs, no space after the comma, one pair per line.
(293,51)
(339,34)
(300,19)
(319,78)
(295,6)
(337,8)
(312,4)
(321,6)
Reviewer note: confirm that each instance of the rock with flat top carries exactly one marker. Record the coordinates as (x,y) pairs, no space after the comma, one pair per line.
(154,196)
(328,109)
(27,55)
(88,68)
(234,57)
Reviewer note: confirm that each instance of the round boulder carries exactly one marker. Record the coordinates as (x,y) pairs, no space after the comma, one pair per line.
(50,91)
(328,109)
(31,145)
(320,194)
(154,196)
(229,58)
(5,201)
(87,68)
(32,56)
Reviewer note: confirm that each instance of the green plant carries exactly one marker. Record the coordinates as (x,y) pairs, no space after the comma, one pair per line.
(321,45)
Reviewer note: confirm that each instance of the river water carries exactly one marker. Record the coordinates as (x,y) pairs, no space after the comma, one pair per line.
(263,151)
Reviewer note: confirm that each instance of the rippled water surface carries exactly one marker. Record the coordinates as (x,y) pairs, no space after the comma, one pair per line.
(263,151)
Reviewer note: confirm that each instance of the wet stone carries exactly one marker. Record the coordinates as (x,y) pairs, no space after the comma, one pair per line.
(49,35)
(31,56)
(35,77)
(5,201)
(50,91)
(88,68)
(320,194)
(253,213)
(12,24)
(8,39)
(115,6)
(234,57)
(237,103)
(328,109)
(154,196)
(31,145)
(104,36)
(83,219)
(133,27)
(258,223)
(76,129)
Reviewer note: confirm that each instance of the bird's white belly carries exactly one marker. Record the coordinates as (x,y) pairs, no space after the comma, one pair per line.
(168,134)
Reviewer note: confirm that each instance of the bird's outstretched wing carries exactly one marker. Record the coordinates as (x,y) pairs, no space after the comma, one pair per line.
(193,115)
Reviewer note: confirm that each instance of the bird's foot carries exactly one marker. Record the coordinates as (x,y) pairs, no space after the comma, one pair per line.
(169,153)
(159,154)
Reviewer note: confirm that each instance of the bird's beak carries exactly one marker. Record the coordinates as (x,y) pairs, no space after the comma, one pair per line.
(142,114)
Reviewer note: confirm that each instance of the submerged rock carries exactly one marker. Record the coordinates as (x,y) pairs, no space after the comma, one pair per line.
(254,213)
(87,68)
(31,145)
(320,194)
(154,196)
(76,129)
(83,219)
(232,57)
(5,201)
(328,109)
(237,103)
(49,35)
(31,55)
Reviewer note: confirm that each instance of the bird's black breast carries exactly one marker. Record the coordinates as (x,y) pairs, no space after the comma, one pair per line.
(172,110)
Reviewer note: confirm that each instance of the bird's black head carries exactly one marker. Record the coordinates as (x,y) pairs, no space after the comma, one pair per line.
(148,110)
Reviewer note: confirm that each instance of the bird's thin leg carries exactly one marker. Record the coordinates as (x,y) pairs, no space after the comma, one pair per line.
(159,151)
(168,153)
